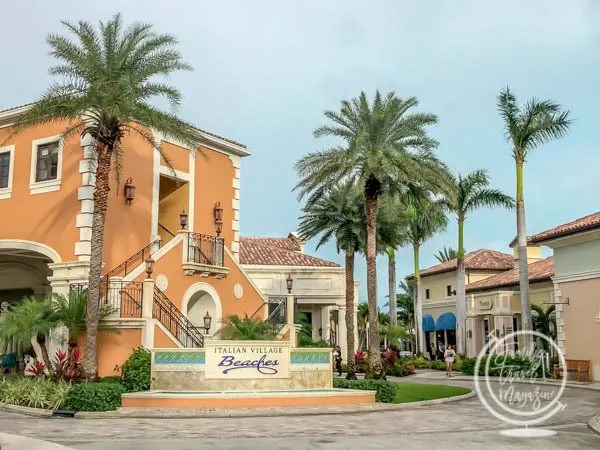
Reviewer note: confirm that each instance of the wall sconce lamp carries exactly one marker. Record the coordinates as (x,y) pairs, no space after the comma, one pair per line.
(129,191)
(218,215)
(207,322)
(183,219)
(289,282)
(149,266)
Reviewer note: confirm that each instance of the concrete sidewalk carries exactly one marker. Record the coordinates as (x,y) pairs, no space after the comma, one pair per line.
(14,442)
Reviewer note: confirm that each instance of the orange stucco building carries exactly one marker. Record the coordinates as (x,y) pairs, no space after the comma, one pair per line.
(46,191)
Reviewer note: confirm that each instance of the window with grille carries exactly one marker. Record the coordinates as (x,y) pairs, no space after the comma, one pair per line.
(4,169)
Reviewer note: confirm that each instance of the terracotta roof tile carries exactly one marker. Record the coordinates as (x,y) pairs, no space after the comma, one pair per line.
(541,270)
(267,251)
(588,222)
(482,259)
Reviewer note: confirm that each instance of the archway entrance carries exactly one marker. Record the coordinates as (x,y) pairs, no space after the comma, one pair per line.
(199,299)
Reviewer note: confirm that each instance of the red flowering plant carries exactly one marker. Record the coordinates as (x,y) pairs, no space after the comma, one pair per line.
(37,369)
(67,367)
(360,360)
(390,357)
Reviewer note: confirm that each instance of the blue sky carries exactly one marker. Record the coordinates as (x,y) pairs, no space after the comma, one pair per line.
(265,71)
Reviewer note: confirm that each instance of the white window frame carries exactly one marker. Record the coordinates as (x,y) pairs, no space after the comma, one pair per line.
(7,191)
(40,187)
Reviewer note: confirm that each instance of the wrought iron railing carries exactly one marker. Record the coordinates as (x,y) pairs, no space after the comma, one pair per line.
(132,262)
(173,319)
(204,249)
(124,298)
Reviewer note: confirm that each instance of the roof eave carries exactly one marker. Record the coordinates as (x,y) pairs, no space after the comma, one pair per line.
(564,234)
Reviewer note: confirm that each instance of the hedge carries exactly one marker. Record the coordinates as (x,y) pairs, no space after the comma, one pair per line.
(385,390)
(104,396)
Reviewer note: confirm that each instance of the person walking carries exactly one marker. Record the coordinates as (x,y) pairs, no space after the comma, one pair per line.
(337,358)
(449,356)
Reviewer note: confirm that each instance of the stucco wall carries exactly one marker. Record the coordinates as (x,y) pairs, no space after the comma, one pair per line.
(582,321)
(577,258)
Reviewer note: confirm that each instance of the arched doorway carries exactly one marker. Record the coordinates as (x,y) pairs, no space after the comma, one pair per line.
(199,299)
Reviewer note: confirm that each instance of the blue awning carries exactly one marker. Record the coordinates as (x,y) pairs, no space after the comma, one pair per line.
(428,324)
(446,321)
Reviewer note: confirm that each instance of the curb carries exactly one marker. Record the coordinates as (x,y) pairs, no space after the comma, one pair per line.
(587,387)
(258,412)
(594,424)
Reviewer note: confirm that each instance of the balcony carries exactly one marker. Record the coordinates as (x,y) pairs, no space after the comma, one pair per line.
(204,255)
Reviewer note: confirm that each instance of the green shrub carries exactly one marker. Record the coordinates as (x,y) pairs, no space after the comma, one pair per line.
(504,366)
(111,379)
(309,343)
(34,392)
(95,396)
(385,390)
(401,369)
(136,370)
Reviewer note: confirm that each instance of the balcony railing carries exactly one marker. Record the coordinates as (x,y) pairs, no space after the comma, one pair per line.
(123,299)
(205,250)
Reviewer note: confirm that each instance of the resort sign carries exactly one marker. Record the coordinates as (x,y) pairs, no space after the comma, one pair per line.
(244,360)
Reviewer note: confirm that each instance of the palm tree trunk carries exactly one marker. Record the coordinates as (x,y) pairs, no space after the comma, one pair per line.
(392,286)
(420,336)
(461,296)
(90,367)
(350,312)
(41,353)
(523,269)
(374,366)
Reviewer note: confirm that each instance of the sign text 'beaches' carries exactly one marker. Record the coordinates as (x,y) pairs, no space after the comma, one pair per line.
(247,361)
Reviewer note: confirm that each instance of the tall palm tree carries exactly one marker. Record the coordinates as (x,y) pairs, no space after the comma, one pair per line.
(108,80)
(339,214)
(406,309)
(426,218)
(446,254)
(527,127)
(384,146)
(466,195)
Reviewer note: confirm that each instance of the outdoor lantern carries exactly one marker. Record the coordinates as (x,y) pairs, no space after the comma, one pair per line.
(207,321)
(183,219)
(289,282)
(320,332)
(129,191)
(470,336)
(218,215)
(149,266)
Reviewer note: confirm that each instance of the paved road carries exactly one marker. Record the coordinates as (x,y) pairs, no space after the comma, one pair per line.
(463,424)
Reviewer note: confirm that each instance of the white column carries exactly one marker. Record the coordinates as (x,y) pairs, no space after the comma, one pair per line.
(147,303)
(316,322)
(342,338)
(325,324)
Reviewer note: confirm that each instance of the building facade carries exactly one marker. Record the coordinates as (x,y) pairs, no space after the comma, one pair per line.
(576,287)
(46,203)
(318,286)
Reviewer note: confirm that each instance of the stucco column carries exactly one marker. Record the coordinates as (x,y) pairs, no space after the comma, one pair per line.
(325,324)
(470,337)
(147,303)
(343,337)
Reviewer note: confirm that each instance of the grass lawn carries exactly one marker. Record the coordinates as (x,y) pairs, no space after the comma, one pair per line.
(415,392)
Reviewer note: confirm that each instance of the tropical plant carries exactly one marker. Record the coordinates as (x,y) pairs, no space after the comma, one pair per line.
(527,127)
(66,367)
(136,371)
(247,329)
(426,218)
(71,312)
(446,254)
(406,309)
(544,322)
(339,214)
(362,318)
(30,322)
(466,195)
(34,392)
(106,91)
(385,147)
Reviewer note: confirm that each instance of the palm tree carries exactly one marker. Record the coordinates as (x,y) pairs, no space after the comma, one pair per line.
(106,91)
(544,322)
(71,313)
(30,322)
(406,308)
(446,254)
(527,127)
(362,318)
(426,218)
(384,146)
(339,214)
(466,195)
(247,329)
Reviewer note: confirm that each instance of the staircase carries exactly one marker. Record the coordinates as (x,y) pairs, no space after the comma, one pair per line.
(125,299)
